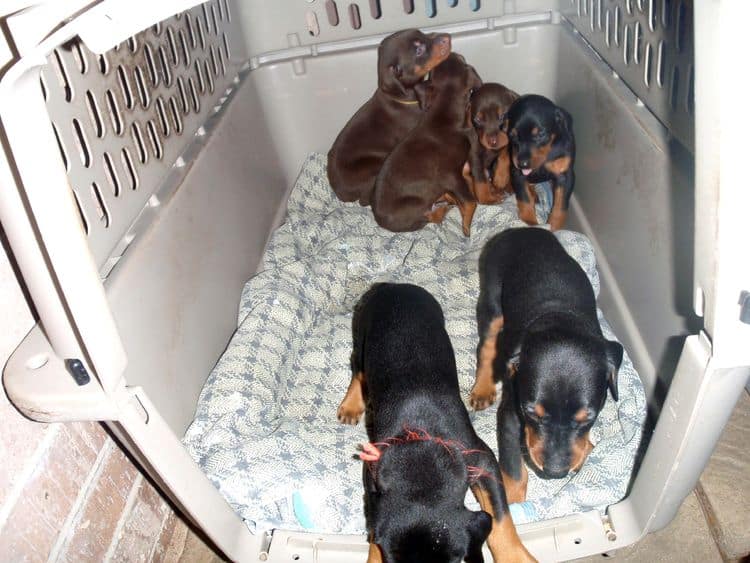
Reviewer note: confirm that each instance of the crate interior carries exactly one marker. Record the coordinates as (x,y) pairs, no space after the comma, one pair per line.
(221,195)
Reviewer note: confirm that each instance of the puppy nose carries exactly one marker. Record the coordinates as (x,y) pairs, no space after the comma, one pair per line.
(524,163)
(492,141)
(554,471)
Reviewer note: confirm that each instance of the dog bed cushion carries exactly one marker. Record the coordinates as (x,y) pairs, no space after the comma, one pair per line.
(265,430)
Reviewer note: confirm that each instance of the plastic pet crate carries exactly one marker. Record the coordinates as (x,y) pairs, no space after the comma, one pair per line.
(150,148)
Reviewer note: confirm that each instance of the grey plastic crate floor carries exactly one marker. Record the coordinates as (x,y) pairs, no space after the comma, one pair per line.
(265,429)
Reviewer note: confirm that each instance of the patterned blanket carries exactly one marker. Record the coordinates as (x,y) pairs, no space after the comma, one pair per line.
(265,429)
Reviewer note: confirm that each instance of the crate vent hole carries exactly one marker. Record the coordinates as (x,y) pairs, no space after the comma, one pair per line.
(637,43)
(214,62)
(666,13)
(626,45)
(607,30)
(191,32)
(629,7)
(184,108)
(578,541)
(114,113)
(199,29)
(80,56)
(153,75)
(43,85)
(214,20)
(175,113)
(661,64)
(227,13)
(184,48)
(206,20)
(408,6)
(652,19)
(681,27)
(376,12)
(62,75)
(225,42)
(199,77)
(132,44)
(127,164)
(648,66)
(690,99)
(161,112)
(354,18)
(222,64)
(452,3)
(618,26)
(430,8)
(83,146)
(99,205)
(332,13)
(194,96)
(109,170)
(140,83)
(164,66)
(127,93)
(156,28)
(102,63)
(139,143)
(153,136)
(475,5)
(209,77)
(173,54)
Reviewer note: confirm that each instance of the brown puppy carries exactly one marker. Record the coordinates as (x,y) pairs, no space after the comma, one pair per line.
(490,154)
(404,58)
(423,176)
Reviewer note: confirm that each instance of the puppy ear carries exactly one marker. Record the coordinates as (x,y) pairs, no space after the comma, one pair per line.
(475,83)
(502,140)
(614,353)
(425,92)
(478,526)
(389,80)
(563,120)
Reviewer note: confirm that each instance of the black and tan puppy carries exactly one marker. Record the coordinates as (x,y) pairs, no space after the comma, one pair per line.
(423,177)
(423,453)
(490,154)
(539,334)
(404,59)
(542,149)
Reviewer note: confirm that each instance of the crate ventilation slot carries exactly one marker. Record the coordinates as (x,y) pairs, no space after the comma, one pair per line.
(355,15)
(122,118)
(649,45)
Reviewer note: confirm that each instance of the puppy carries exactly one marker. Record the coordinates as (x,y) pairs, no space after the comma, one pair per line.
(423,177)
(423,453)
(404,59)
(490,155)
(542,149)
(540,335)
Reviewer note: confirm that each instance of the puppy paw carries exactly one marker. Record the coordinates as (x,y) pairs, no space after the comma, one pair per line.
(483,394)
(349,413)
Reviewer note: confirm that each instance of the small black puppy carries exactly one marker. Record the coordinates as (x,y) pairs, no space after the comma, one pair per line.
(423,453)
(540,335)
(542,148)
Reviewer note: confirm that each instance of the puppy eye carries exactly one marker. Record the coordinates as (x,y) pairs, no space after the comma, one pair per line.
(420,49)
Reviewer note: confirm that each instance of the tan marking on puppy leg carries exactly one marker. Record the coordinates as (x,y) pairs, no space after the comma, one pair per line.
(467,214)
(353,405)
(526,211)
(503,541)
(501,178)
(558,214)
(438,214)
(515,491)
(374,555)
(559,165)
(484,392)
